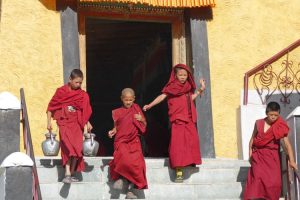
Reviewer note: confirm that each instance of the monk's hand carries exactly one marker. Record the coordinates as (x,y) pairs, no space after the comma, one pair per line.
(202,83)
(293,165)
(89,127)
(146,107)
(138,117)
(112,132)
(49,126)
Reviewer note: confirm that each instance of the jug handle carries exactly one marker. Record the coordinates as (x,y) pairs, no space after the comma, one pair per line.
(51,137)
(92,140)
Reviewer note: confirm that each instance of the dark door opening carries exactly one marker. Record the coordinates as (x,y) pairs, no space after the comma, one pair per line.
(128,54)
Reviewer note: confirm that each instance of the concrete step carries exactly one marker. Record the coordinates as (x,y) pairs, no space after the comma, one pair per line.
(214,179)
(98,190)
(158,171)
(150,162)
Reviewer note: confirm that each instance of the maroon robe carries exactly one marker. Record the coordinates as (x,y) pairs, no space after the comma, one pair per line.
(184,146)
(71,122)
(128,159)
(264,176)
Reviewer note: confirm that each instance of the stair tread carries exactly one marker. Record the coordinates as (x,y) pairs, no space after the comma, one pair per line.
(215,179)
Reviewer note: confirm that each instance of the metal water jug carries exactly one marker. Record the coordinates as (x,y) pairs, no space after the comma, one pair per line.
(90,145)
(50,146)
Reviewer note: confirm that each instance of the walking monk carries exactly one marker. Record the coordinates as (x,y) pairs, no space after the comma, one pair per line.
(184,149)
(70,107)
(128,163)
(264,178)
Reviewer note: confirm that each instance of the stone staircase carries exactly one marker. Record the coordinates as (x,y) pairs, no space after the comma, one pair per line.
(215,179)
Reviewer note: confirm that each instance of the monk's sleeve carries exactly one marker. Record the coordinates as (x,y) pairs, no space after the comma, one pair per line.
(141,126)
(280,129)
(54,103)
(87,109)
(114,114)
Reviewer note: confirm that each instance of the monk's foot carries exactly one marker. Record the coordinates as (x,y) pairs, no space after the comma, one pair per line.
(74,179)
(67,179)
(179,175)
(131,195)
(118,184)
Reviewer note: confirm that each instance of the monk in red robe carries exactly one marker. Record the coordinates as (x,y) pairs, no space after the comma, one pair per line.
(128,163)
(264,176)
(70,107)
(184,149)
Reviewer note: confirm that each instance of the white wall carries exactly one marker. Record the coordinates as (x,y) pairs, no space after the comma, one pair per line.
(255,110)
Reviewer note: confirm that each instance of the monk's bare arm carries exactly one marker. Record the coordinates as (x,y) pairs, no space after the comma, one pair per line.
(112,132)
(49,125)
(200,90)
(290,152)
(251,141)
(156,101)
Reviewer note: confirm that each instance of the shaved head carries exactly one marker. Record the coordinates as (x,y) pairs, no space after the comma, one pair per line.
(127,91)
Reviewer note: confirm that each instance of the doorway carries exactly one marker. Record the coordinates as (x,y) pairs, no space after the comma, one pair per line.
(132,54)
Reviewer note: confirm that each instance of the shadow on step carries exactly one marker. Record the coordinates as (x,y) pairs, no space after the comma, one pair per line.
(242,178)
(64,191)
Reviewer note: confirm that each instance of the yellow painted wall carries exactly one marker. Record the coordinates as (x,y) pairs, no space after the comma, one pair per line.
(31,57)
(241,35)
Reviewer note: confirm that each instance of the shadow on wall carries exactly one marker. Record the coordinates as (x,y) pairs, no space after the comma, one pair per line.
(49,4)
(0,9)
(293,101)
(239,133)
(203,13)
(58,5)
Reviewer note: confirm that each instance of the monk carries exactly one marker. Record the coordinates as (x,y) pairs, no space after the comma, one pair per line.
(128,163)
(184,149)
(264,176)
(70,107)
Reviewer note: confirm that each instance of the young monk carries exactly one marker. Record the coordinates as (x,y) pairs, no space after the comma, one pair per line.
(128,163)
(264,176)
(184,149)
(70,107)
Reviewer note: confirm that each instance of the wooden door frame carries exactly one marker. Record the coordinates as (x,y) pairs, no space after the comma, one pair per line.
(127,13)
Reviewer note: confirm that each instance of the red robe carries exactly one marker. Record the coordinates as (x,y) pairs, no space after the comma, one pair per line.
(71,123)
(264,176)
(128,159)
(184,146)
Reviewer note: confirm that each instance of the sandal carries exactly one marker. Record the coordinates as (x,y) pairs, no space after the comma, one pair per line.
(74,179)
(67,179)
(179,175)
(131,195)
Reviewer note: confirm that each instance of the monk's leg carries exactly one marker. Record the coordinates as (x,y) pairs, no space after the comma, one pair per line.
(119,184)
(73,165)
(68,168)
(67,178)
(130,191)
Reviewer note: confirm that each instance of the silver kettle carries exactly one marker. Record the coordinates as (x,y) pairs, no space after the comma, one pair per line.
(50,146)
(90,145)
